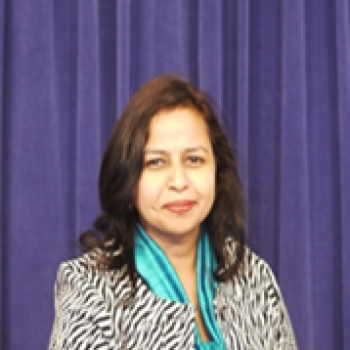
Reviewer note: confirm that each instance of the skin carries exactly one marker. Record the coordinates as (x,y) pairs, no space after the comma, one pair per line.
(176,190)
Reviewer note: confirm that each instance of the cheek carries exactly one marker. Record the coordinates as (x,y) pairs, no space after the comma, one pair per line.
(204,184)
(149,190)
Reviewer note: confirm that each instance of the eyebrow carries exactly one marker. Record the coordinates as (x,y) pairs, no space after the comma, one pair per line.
(187,150)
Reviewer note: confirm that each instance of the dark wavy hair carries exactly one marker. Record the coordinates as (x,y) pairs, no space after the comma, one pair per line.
(122,164)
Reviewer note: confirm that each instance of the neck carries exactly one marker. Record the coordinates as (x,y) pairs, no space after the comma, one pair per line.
(180,250)
(183,256)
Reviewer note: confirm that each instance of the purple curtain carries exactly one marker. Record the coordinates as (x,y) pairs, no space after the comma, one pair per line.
(280,71)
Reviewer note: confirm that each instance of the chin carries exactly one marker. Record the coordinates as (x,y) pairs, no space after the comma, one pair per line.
(181,230)
(176,227)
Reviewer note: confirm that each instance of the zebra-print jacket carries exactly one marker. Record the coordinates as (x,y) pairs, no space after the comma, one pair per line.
(94,311)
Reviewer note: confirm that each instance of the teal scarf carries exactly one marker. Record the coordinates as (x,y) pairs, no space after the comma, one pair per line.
(155,268)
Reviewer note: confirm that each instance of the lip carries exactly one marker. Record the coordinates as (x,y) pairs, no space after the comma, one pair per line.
(179,207)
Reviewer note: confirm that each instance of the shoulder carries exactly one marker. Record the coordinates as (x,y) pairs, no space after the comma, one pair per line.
(254,294)
(85,291)
(254,270)
(257,270)
(86,299)
(83,275)
(256,280)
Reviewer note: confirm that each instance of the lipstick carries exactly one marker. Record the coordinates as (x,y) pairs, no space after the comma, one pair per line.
(179,207)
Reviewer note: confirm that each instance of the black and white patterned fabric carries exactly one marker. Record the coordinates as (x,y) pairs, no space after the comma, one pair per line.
(94,310)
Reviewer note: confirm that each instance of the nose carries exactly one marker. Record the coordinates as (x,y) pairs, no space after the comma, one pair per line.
(178,180)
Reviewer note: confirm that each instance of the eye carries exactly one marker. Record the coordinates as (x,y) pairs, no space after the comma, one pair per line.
(195,160)
(155,162)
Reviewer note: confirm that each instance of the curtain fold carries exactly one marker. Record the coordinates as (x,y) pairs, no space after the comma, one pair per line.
(279,71)
(2,165)
(32,203)
(88,142)
(323,136)
(293,176)
(342,13)
(237,95)
(210,48)
(124,34)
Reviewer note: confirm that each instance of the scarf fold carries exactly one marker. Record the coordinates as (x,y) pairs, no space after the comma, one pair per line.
(158,272)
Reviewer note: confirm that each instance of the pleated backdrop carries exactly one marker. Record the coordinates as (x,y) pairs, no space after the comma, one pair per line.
(278,69)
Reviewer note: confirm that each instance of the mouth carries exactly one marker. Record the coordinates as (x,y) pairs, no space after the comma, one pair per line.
(179,207)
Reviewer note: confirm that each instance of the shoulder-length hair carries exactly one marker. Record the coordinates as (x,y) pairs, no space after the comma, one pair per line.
(122,164)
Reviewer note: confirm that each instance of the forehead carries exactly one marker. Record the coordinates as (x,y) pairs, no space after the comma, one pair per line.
(179,127)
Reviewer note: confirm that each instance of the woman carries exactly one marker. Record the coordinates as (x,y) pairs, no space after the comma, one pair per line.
(166,267)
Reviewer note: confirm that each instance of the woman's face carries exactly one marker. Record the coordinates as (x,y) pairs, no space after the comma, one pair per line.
(176,189)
